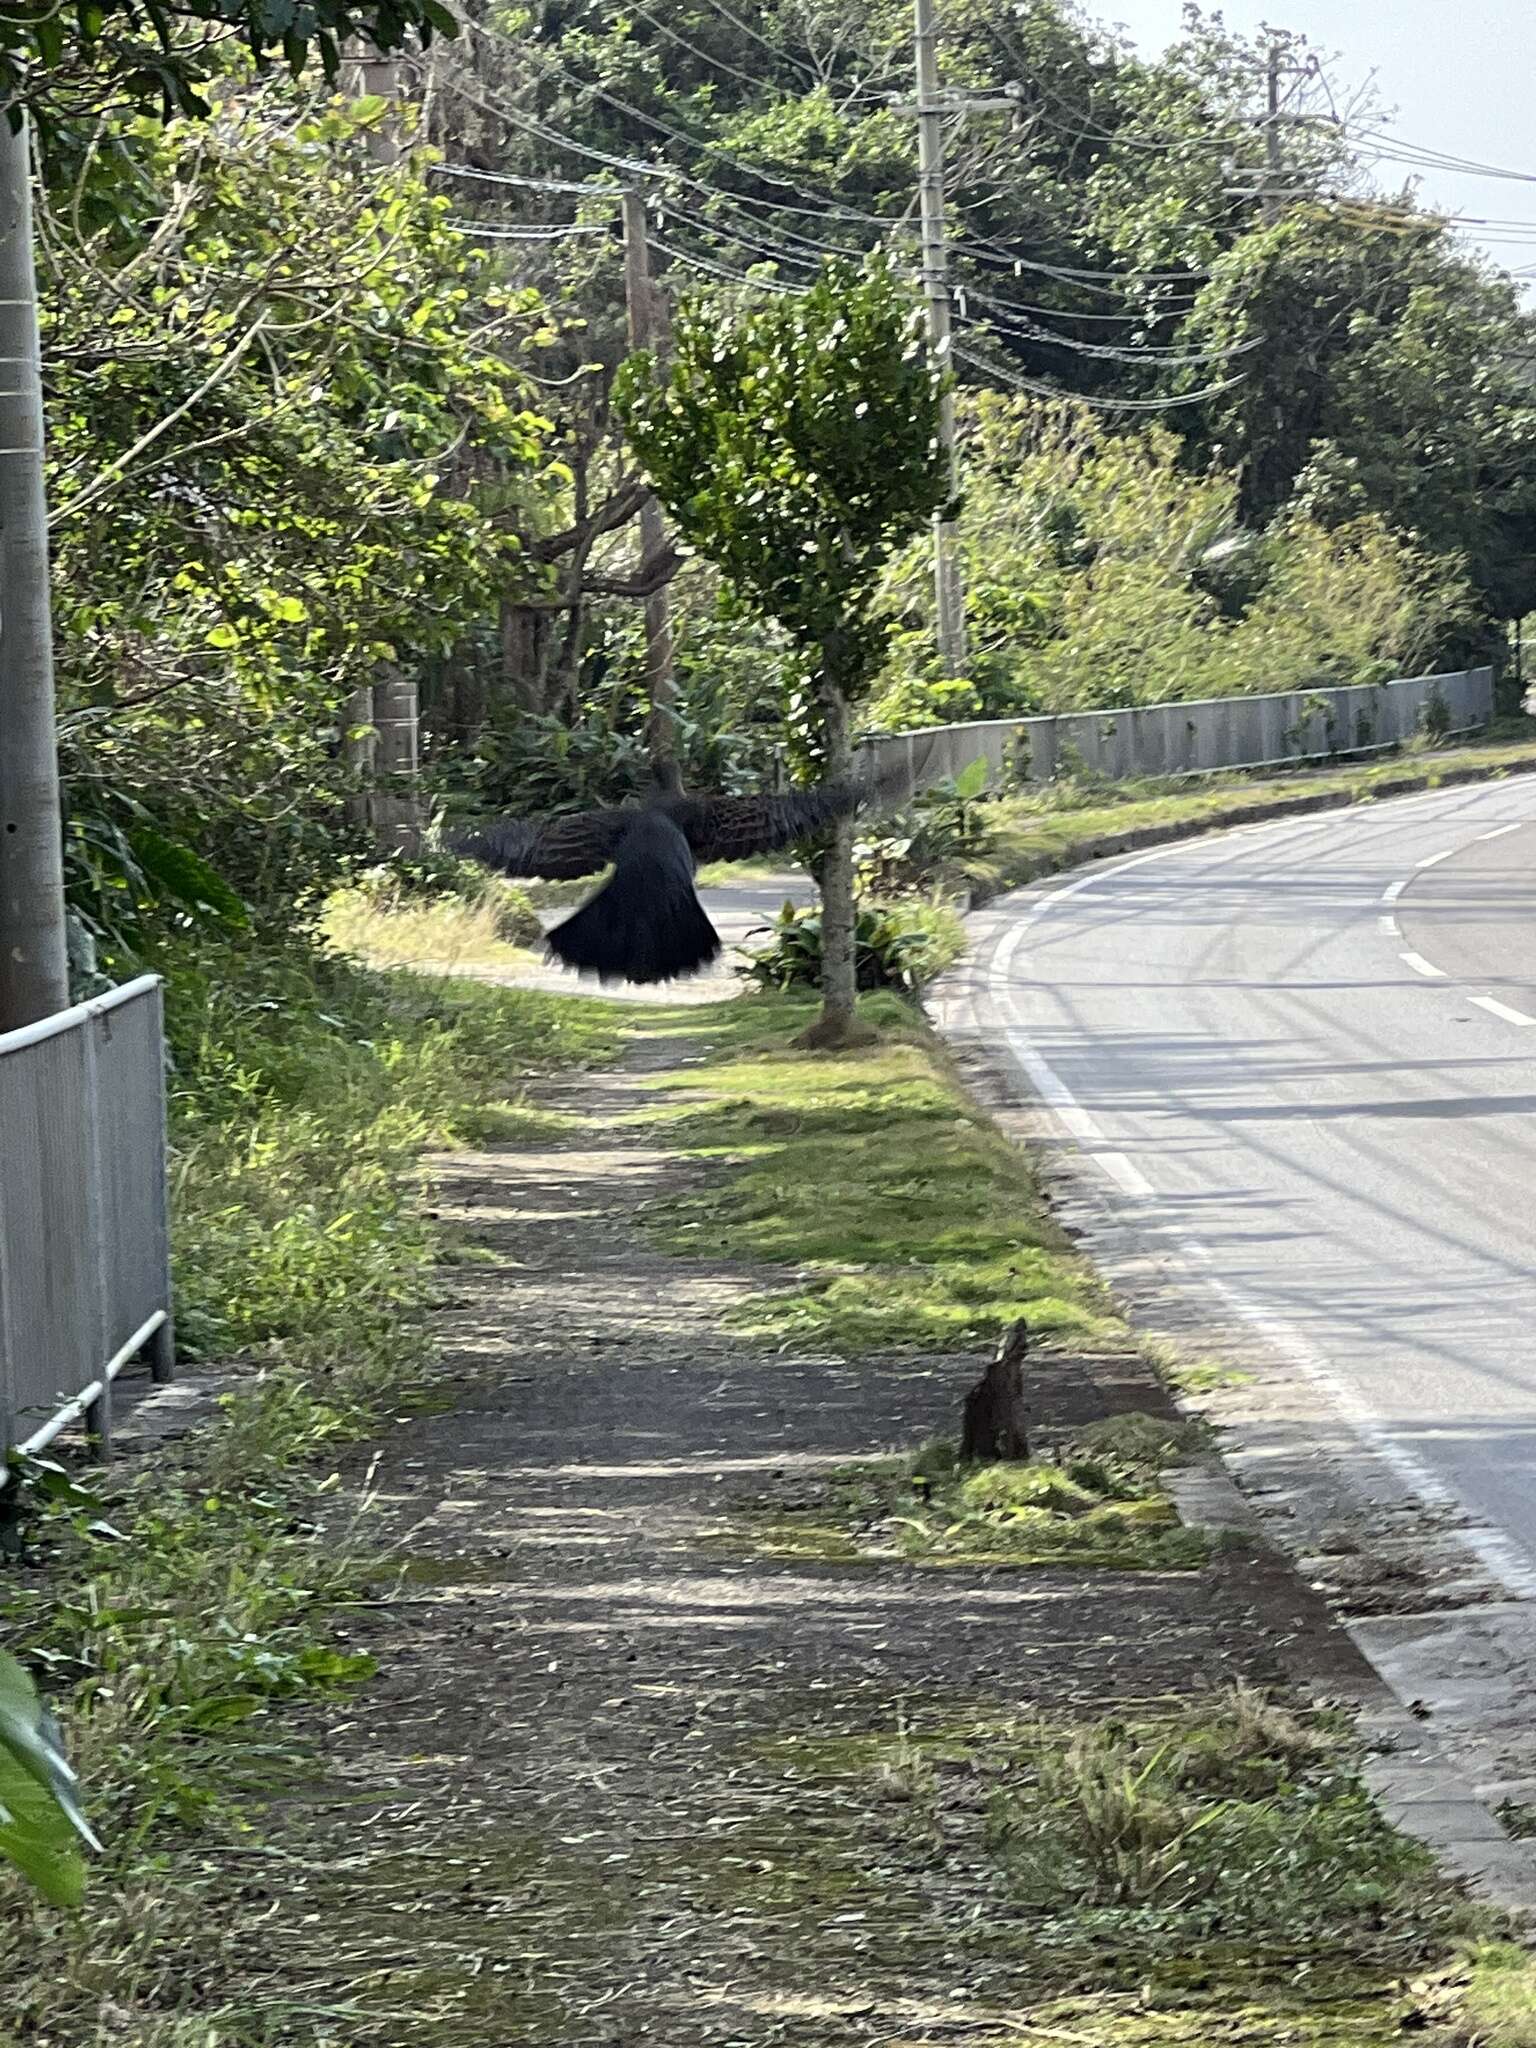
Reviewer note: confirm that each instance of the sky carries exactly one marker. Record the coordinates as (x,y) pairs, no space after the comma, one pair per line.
(1460,75)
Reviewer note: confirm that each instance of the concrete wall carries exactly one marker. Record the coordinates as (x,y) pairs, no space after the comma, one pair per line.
(1193,738)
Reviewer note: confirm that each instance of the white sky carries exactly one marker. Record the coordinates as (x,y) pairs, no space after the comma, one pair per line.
(1460,75)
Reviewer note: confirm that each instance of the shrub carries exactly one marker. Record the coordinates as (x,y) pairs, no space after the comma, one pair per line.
(901,945)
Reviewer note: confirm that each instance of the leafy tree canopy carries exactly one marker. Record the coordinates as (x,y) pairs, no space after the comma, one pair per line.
(67,63)
(797,445)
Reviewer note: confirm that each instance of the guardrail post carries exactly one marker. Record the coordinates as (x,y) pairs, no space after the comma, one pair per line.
(98,1417)
(162,1346)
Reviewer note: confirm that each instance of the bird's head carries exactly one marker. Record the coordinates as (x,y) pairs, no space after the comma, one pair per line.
(666,776)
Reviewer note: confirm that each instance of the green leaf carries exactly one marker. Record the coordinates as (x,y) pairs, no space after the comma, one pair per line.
(41,1825)
(179,872)
(972,779)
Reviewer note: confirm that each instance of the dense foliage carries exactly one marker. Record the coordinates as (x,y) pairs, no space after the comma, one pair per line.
(1103,569)
(797,446)
(1110,243)
(262,386)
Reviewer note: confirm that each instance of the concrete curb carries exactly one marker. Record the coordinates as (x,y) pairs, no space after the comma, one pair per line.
(1417,1785)
(1413,1781)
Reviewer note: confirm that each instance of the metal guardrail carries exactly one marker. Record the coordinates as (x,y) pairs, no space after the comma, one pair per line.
(1199,736)
(84,1238)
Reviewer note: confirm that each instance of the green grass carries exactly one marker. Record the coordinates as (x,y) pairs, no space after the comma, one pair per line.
(1181,1876)
(1499,1998)
(182,1606)
(1094,1503)
(491,924)
(1040,832)
(305,1091)
(915,1225)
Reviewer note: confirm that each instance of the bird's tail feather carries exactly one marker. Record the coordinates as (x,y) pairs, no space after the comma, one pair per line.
(645,924)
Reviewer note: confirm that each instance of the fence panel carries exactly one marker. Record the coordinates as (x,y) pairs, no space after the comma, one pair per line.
(84,1245)
(1197,737)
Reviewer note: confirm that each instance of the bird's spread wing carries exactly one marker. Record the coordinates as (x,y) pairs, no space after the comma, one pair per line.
(554,849)
(737,827)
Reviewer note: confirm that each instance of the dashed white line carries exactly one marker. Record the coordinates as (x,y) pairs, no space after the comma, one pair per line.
(1390,895)
(1422,966)
(1500,830)
(1444,854)
(1389,926)
(1497,1009)
(1509,1562)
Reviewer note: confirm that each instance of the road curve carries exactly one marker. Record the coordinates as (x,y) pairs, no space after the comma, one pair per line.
(1301,1060)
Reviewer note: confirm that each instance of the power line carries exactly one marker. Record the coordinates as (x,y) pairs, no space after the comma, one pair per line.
(666,128)
(1031,387)
(1103,283)
(723,271)
(1112,352)
(558,231)
(527,184)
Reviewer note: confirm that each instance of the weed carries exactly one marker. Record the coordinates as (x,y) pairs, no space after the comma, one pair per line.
(183,1605)
(916,1226)
(475,919)
(1085,1508)
(1232,1823)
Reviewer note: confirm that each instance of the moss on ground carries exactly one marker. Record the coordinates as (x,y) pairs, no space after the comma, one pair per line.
(1095,1503)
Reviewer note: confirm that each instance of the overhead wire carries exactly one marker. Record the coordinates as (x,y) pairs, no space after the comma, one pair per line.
(1099,401)
(555,231)
(1094,282)
(442,170)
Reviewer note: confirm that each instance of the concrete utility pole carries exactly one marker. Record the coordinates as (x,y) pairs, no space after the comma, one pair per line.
(640,298)
(34,954)
(948,589)
(1274,164)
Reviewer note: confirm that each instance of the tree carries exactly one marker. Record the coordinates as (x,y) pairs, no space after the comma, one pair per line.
(796,446)
(266,378)
(1383,375)
(67,68)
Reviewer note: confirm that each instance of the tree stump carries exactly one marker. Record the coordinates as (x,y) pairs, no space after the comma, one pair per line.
(996,1414)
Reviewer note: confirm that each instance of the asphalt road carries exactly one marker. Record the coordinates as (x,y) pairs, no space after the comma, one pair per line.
(1302,1056)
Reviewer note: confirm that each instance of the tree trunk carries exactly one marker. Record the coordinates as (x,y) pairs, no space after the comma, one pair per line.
(525,655)
(838,1025)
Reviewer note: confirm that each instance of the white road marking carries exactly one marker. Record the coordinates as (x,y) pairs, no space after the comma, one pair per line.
(1422,966)
(1499,831)
(1434,859)
(1390,895)
(1389,926)
(1509,1562)
(1497,1009)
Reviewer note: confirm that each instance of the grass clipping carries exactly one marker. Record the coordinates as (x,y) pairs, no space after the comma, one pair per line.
(913,1225)
(1095,1502)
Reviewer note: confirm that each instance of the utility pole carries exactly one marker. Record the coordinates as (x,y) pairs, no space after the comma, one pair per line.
(639,294)
(34,953)
(948,590)
(1272,157)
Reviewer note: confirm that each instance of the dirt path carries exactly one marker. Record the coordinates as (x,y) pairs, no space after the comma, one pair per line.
(609,1786)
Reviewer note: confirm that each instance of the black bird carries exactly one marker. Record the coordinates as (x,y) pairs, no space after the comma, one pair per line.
(646,923)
